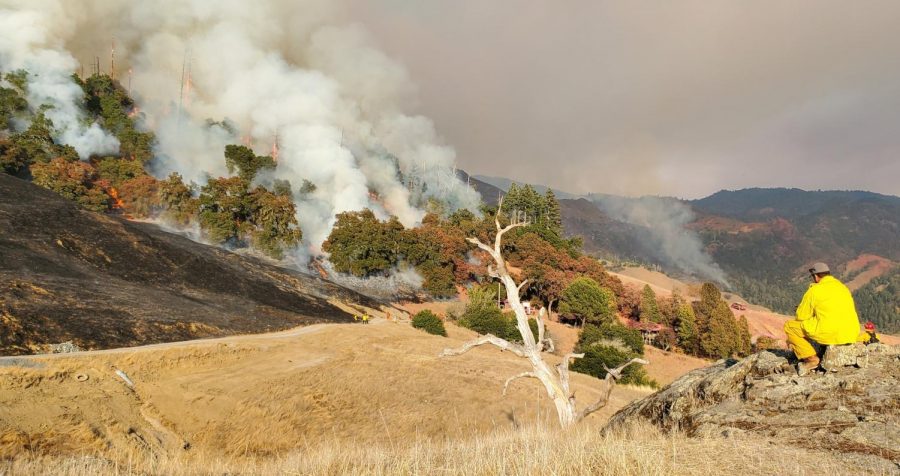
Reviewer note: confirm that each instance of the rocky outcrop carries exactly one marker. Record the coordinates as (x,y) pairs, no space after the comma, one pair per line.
(853,407)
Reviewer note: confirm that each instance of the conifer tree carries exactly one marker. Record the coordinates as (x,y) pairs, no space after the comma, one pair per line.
(532,204)
(512,202)
(552,215)
(649,306)
(687,328)
(709,300)
(721,337)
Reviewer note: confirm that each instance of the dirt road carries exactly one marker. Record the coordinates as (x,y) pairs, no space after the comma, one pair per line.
(263,394)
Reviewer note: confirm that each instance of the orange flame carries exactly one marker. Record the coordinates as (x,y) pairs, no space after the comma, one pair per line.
(275,151)
(117,204)
(134,111)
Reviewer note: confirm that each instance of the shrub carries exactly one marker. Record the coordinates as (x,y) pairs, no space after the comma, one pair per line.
(766,343)
(490,320)
(484,320)
(599,357)
(630,338)
(608,346)
(429,322)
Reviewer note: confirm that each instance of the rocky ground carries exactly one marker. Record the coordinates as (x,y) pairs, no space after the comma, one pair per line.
(853,409)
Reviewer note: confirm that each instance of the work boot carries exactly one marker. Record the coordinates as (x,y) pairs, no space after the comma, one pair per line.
(807,365)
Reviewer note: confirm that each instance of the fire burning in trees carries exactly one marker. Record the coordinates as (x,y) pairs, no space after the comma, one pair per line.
(117,203)
(301,80)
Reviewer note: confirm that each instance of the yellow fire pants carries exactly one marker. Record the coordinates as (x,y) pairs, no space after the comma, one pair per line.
(797,340)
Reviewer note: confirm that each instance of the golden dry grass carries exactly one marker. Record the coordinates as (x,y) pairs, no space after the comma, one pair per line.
(637,450)
(334,400)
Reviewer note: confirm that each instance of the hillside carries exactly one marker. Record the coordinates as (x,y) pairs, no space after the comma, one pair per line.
(98,280)
(329,399)
(761,238)
(761,203)
(762,321)
(265,394)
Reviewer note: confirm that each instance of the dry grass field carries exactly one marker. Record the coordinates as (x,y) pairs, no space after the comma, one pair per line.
(340,399)
(637,450)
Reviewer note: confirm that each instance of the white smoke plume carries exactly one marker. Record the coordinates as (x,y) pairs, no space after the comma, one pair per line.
(272,68)
(404,283)
(28,44)
(663,220)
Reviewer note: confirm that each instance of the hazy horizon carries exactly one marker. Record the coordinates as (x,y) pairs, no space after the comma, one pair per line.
(656,98)
(566,193)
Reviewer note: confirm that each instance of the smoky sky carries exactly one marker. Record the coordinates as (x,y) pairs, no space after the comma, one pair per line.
(656,97)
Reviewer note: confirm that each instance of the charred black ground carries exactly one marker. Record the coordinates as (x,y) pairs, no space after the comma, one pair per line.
(103,282)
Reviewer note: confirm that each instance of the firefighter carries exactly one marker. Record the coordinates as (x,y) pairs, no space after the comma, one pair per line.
(365,317)
(825,316)
(869,335)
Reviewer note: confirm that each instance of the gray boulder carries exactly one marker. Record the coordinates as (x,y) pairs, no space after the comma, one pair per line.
(853,407)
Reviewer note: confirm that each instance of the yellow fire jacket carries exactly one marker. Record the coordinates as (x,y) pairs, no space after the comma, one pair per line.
(827,313)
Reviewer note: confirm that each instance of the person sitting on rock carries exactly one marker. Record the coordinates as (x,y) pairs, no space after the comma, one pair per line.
(825,316)
(869,335)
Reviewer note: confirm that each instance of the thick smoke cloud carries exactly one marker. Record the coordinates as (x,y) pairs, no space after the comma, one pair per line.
(26,44)
(662,221)
(285,69)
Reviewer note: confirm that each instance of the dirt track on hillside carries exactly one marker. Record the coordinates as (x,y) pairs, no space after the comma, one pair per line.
(264,394)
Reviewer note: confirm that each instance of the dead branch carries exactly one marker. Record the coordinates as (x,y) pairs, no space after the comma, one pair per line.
(518,376)
(485,339)
(610,381)
(522,285)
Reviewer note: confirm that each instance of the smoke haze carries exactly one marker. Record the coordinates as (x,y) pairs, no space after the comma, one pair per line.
(658,97)
(663,220)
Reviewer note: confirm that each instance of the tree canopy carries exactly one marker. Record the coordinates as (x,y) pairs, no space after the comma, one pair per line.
(585,300)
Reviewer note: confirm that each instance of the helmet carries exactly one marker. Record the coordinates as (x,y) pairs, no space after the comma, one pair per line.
(870,326)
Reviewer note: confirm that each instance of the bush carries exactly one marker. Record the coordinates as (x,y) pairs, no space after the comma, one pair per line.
(765,343)
(608,346)
(630,338)
(429,322)
(485,320)
(490,320)
(598,357)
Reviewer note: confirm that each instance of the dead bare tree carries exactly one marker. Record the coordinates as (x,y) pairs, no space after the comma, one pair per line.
(555,381)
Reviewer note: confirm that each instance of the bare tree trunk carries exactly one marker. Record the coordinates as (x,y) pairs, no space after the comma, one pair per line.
(555,381)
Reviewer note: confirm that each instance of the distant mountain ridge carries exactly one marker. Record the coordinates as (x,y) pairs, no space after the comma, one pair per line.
(504,183)
(761,237)
(756,203)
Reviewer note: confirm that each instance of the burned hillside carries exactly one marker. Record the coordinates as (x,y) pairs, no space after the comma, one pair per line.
(101,281)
